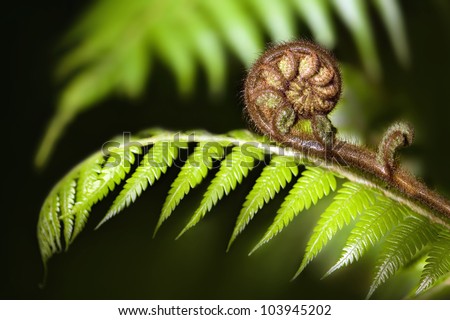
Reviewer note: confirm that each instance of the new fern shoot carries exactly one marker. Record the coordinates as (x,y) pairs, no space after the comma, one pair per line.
(289,92)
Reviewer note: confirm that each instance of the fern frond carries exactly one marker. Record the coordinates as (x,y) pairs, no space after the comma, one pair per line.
(191,174)
(437,266)
(233,169)
(352,199)
(236,26)
(213,59)
(314,184)
(277,18)
(317,15)
(86,184)
(354,14)
(98,185)
(96,67)
(390,12)
(49,228)
(59,205)
(67,199)
(152,166)
(373,224)
(273,178)
(382,215)
(400,247)
(88,176)
(175,51)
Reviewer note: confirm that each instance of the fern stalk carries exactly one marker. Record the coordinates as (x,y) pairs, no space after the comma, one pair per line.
(378,212)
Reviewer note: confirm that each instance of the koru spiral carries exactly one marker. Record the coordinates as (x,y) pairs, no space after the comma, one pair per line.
(299,82)
(293,81)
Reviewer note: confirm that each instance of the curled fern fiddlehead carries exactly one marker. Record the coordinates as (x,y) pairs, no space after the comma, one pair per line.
(293,81)
(289,100)
(398,135)
(299,81)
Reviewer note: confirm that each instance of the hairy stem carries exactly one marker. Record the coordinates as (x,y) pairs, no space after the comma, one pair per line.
(304,78)
(360,158)
(353,162)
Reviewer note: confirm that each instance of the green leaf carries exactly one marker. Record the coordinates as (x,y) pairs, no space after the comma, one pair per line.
(94,185)
(373,224)
(49,229)
(98,29)
(314,184)
(400,247)
(202,35)
(88,176)
(135,69)
(176,52)
(233,169)
(437,267)
(236,26)
(352,199)
(354,14)
(88,181)
(406,234)
(273,178)
(276,17)
(67,200)
(393,20)
(152,166)
(316,14)
(191,174)
(247,136)
(181,32)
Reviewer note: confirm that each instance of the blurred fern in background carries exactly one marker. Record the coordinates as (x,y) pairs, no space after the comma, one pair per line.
(112,47)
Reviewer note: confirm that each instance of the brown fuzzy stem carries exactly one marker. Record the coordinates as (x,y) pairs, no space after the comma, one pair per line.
(300,80)
(360,158)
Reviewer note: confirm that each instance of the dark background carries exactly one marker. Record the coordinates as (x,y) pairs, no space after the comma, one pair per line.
(121,260)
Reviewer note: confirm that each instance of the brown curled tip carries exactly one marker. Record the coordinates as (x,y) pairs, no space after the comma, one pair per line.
(398,135)
(297,75)
(297,83)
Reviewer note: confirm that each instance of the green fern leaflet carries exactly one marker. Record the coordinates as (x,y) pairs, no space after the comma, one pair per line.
(273,178)
(232,171)
(314,184)
(374,216)
(352,199)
